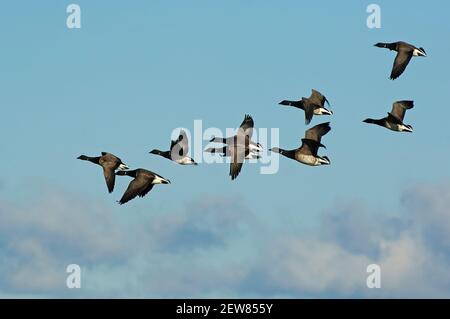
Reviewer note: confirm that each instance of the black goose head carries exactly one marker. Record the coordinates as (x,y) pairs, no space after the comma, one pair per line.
(289,154)
(126,173)
(374,121)
(95,160)
(161,153)
(155,151)
(285,102)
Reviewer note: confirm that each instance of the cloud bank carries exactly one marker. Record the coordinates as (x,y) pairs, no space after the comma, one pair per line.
(219,247)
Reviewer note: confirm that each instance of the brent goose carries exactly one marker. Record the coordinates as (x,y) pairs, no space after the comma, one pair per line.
(405,52)
(225,151)
(307,152)
(314,105)
(243,136)
(394,120)
(239,147)
(178,151)
(141,184)
(110,163)
(254,147)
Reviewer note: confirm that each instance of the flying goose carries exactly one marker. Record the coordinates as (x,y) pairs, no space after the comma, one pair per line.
(178,151)
(238,154)
(314,105)
(254,147)
(142,183)
(394,120)
(243,136)
(110,163)
(225,152)
(307,152)
(405,52)
(240,146)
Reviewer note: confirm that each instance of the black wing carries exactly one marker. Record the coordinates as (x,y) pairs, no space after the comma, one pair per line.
(110,177)
(309,112)
(399,108)
(315,133)
(401,61)
(180,147)
(237,159)
(318,98)
(146,190)
(138,186)
(246,127)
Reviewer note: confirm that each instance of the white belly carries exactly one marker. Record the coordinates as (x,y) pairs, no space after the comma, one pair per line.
(322,111)
(318,111)
(308,160)
(184,161)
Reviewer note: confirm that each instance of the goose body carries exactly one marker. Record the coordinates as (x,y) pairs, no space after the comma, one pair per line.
(225,151)
(405,52)
(110,163)
(240,146)
(314,105)
(143,182)
(307,152)
(254,147)
(311,160)
(394,120)
(178,151)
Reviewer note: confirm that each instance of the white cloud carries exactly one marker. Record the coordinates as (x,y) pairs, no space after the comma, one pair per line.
(410,246)
(217,247)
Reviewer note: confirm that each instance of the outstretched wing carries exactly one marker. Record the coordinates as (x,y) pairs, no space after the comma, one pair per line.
(246,127)
(237,154)
(309,112)
(399,108)
(401,61)
(110,177)
(138,186)
(146,190)
(318,98)
(315,133)
(180,147)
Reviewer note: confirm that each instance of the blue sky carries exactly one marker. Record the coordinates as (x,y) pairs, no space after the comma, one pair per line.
(138,69)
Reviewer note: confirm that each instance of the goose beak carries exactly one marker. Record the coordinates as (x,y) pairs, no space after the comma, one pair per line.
(123,167)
